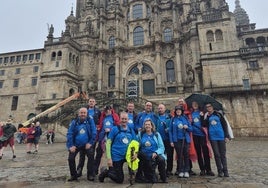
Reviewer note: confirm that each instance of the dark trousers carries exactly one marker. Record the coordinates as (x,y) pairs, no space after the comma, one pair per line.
(97,158)
(90,163)
(182,150)
(147,168)
(116,172)
(219,150)
(170,153)
(200,144)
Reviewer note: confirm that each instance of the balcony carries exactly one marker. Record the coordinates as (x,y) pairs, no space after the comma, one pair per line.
(257,51)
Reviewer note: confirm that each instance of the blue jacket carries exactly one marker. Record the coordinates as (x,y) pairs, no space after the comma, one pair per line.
(196,124)
(217,126)
(81,133)
(120,140)
(142,116)
(150,144)
(176,132)
(108,122)
(163,126)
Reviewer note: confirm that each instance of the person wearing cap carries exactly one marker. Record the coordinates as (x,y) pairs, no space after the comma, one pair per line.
(81,135)
(8,137)
(179,135)
(108,120)
(218,136)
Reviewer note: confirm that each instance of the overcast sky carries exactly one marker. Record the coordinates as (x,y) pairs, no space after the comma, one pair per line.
(23,23)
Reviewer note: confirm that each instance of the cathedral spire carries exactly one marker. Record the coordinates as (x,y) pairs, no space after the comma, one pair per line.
(241,16)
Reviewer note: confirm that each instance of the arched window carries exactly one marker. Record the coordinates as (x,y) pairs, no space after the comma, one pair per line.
(250,42)
(167,35)
(111,42)
(134,70)
(218,35)
(138,36)
(111,81)
(170,71)
(146,69)
(53,56)
(137,11)
(261,41)
(59,55)
(210,36)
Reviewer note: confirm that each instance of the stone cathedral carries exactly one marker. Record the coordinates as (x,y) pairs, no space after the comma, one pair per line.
(156,50)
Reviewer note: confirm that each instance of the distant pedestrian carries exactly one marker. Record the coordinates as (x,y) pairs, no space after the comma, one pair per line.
(8,137)
(30,138)
(81,135)
(218,136)
(37,135)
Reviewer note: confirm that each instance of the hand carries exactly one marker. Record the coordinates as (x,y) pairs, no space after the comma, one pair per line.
(72,149)
(110,163)
(185,126)
(201,114)
(107,130)
(172,144)
(154,155)
(226,140)
(88,146)
(134,157)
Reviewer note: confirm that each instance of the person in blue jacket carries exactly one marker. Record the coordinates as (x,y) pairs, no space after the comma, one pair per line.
(200,141)
(163,129)
(116,148)
(180,139)
(218,136)
(151,154)
(81,136)
(146,114)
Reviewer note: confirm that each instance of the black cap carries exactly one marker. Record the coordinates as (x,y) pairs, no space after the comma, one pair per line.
(108,107)
(179,108)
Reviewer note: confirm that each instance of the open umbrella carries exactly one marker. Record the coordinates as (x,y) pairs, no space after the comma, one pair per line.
(202,100)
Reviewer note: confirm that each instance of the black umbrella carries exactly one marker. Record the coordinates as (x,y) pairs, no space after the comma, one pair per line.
(202,100)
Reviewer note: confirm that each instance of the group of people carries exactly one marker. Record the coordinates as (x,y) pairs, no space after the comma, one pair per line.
(94,132)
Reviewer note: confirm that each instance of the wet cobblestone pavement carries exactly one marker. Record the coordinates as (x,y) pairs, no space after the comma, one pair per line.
(247,163)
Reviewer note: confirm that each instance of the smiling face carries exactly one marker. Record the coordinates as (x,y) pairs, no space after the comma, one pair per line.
(82,113)
(91,103)
(148,107)
(148,126)
(124,119)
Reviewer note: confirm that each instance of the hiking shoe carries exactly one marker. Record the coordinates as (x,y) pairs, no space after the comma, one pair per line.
(90,178)
(103,175)
(169,173)
(210,173)
(186,175)
(14,156)
(192,173)
(202,173)
(72,179)
(220,174)
(226,174)
(181,174)
(29,152)
(35,151)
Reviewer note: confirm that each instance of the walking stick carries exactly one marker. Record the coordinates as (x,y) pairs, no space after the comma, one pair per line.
(131,165)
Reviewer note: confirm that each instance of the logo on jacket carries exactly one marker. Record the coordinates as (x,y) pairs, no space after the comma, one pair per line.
(125,140)
(147,144)
(180,126)
(196,120)
(130,121)
(213,122)
(82,131)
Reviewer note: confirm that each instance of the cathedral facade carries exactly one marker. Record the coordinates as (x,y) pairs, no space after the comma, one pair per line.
(158,50)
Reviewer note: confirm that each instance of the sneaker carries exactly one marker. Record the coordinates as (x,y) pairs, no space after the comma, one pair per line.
(14,156)
(186,175)
(29,152)
(176,173)
(181,174)
(169,173)
(210,173)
